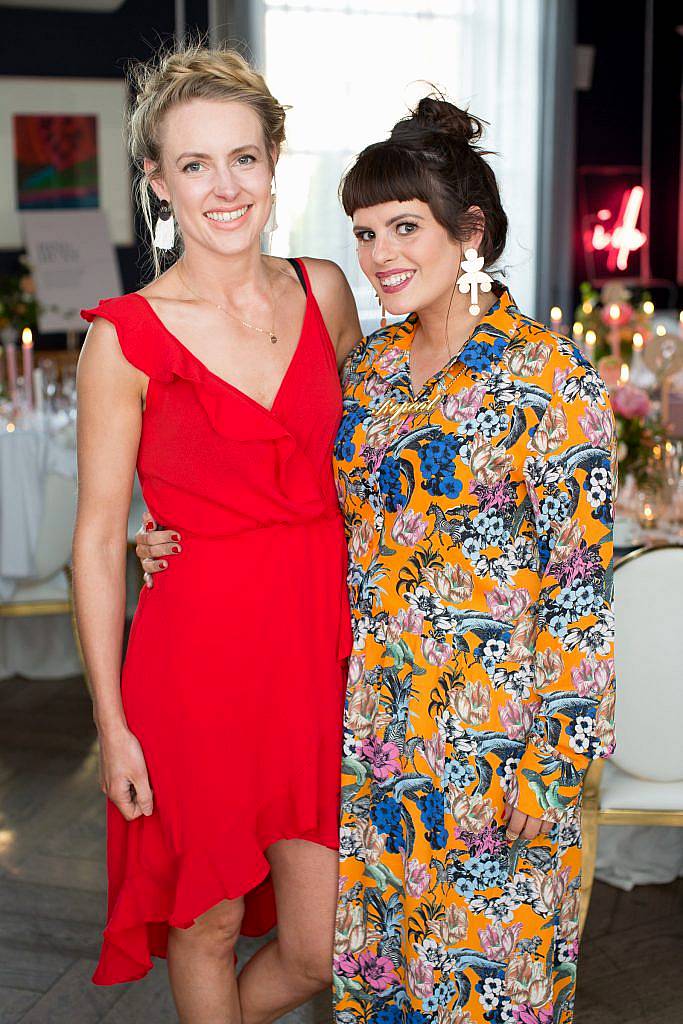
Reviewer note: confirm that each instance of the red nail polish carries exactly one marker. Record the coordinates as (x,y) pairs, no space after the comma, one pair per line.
(175,536)
(163,564)
(175,550)
(149,527)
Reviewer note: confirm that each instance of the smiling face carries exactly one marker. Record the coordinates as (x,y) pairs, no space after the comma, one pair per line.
(408,257)
(216,173)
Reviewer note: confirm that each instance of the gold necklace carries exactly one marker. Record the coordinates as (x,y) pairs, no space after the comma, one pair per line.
(252,327)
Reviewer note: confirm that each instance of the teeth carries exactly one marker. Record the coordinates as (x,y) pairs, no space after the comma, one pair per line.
(224,217)
(396,279)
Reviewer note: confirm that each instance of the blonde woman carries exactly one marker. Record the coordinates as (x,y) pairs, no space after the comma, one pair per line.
(220,739)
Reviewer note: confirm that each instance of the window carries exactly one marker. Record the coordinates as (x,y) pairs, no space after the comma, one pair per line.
(350,68)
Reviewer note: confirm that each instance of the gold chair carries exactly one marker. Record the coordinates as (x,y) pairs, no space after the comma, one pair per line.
(643,783)
(49,591)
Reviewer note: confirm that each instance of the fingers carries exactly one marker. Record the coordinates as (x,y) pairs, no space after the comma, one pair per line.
(144,798)
(150,565)
(167,539)
(146,550)
(531,828)
(515,825)
(523,826)
(133,799)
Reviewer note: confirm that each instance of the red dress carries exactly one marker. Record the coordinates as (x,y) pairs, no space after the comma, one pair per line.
(233,680)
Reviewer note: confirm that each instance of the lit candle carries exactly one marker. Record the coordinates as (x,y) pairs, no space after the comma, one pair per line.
(648,307)
(577,331)
(11,360)
(556,318)
(587,307)
(27,363)
(614,336)
(639,374)
(647,516)
(660,330)
(591,338)
(623,374)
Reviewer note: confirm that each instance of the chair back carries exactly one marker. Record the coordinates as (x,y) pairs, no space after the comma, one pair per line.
(53,548)
(648,604)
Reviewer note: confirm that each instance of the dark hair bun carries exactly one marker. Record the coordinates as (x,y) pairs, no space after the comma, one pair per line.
(436,119)
(437,114)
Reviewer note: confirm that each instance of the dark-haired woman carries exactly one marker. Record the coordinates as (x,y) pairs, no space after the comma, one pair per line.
(474,465)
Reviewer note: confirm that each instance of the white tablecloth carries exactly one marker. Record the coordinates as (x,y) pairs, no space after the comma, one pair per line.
(39,647)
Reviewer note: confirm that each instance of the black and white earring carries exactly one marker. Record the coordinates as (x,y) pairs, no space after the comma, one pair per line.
(164,233)
(474,279)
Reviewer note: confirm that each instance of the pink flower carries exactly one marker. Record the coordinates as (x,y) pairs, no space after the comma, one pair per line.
(465,405)
(409,528)
(346,965)
(435,652)
(435,753)
(517,719)
(631,402)
(356,669)
(375,385)
(416,876)
(413,621)
(526,1015)
(591,678)
(486,841)
(361,536)
(384,757)
(421,978)
(559,377)
(390,359)
(597,426)
(377,971)
(498,942)
(507,604)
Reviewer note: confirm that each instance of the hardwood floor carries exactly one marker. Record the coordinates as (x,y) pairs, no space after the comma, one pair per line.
(52,892)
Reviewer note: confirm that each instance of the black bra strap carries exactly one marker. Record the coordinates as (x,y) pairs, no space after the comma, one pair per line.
(299,273)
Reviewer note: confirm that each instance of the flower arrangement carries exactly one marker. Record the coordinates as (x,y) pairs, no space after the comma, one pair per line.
(614,324)
(641,437)
(613,315)
(18,303)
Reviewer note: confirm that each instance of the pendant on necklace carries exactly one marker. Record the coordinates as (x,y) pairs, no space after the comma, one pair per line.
(273,339)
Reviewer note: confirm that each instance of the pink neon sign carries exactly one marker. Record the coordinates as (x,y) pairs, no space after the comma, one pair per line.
(624,237)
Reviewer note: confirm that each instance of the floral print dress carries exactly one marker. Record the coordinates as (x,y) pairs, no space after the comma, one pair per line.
(479,521)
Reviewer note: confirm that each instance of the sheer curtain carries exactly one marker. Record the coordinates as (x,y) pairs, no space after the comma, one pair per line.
(350,68)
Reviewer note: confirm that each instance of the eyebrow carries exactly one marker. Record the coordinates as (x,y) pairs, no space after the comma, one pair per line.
(206,156)
(392,220)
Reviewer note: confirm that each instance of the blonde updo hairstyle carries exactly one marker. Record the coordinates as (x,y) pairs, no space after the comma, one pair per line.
(178,76)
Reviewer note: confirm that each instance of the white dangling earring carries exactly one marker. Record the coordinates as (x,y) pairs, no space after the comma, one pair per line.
(271,223)
(164,233)
(474,279)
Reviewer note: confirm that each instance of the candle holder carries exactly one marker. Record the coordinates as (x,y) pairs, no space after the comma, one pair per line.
(648,510)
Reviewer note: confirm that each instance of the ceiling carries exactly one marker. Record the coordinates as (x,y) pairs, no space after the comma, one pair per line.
(94,6)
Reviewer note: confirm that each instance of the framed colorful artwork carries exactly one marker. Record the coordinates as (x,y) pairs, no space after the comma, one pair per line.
(63,140)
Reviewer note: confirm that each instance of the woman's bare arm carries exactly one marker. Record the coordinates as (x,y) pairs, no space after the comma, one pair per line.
(337,305)
(110,397)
